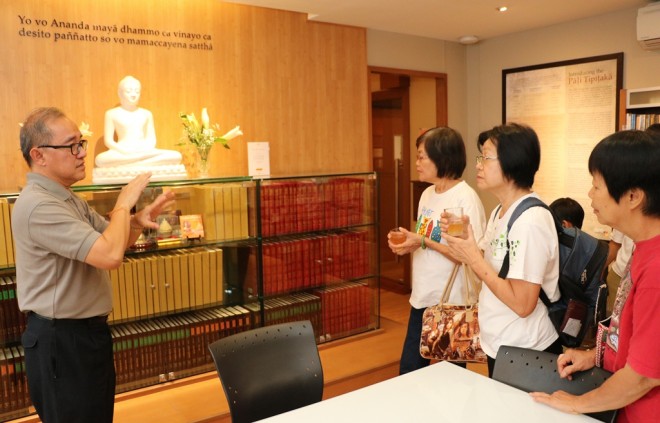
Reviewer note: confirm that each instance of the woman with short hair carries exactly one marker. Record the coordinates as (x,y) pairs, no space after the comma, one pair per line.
(441,161)
(510,310)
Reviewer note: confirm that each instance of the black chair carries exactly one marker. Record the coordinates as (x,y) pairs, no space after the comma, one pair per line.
(536,371)
(269,370)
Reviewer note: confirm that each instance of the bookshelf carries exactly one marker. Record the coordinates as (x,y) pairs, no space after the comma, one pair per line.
(274,250)
(641,108)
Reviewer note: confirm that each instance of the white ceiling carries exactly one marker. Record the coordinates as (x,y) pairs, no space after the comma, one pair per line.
(448,19)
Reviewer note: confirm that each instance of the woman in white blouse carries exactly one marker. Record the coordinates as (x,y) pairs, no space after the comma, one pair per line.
(510,311)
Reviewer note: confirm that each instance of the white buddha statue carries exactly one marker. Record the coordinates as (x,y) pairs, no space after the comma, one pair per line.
(135,150)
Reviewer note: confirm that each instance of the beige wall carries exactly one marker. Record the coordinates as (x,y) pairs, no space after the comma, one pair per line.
(475,72)
(410,52)
(611,33)
(425,54)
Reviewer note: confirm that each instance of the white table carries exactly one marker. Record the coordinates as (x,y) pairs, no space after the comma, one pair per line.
(441,392)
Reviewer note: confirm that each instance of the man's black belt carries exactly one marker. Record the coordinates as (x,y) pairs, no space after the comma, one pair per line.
(86,320)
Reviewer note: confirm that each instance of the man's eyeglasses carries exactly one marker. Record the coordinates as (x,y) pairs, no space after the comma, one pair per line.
(75,147)
(480,159)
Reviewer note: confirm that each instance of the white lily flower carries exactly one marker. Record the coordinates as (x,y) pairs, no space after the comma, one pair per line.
(192,120)
(205,135)
(205,118)
(236,132)
(84,129)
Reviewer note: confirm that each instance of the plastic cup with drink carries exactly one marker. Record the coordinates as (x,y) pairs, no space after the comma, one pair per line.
(397,237)
(455,218)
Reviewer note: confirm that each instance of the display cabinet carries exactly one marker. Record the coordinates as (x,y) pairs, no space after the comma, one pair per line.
(318,238)
(230,254)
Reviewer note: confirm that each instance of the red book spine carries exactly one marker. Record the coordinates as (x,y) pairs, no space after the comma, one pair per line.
(299,208)
(274,269)
(306,263)
(317,206)
(286,279)
(284,211)
(316,247)
(267,267)
(265,210)
(297,264)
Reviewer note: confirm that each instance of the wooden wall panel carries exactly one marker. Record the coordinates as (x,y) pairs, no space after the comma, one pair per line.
(300,85)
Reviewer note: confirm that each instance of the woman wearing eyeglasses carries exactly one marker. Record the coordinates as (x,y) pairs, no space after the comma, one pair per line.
(510,311)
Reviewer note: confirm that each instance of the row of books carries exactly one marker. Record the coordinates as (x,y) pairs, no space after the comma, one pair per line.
(174,346)
(14,397)
(303,206)
(7,257)
(167,282)
(224,208)
(302,263)
(641,120)
(170,347)
(345,309)
(12,321)
(178,280)
(290,308)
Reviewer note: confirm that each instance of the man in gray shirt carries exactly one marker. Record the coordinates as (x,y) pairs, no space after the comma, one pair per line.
(63,252)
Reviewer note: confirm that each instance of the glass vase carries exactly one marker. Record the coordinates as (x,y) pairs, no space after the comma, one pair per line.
(203,163)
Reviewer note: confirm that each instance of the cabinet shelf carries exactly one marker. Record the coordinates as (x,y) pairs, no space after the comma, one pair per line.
(643,98)
(274,250)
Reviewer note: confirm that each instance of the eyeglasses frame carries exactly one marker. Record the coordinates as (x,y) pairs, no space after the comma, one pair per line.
(81,145)
(480,159)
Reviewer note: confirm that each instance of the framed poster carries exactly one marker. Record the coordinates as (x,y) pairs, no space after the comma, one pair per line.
(571,105)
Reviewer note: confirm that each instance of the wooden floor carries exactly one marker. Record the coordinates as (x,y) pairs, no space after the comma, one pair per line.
(347,365)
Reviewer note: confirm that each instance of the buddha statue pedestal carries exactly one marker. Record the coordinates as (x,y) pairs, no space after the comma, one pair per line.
(122,174)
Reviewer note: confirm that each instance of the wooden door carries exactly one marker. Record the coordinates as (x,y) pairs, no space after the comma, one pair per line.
(391,129)
(390,117)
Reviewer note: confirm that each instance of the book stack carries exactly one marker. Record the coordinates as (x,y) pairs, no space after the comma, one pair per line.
(167,282)
(171,347)
(304,206)
(345,309)
(288,308)
(12,321)
(641,121)
(298,263)
(14,397)
(224,209)
(7,243)
(344,201)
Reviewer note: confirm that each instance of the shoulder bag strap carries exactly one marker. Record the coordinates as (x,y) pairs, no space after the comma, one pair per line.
(444,299)
(471,295)
(520,208)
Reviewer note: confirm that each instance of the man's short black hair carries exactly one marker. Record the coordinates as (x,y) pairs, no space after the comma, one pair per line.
(569,210)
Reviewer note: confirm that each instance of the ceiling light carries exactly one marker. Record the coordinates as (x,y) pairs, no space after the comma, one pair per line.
(502,9)
(468,39)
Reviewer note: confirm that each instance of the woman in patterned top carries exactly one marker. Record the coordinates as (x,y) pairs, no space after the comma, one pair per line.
(441,161)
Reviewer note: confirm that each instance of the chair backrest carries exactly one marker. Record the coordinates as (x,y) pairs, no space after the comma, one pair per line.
(269,370)
(536,371)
